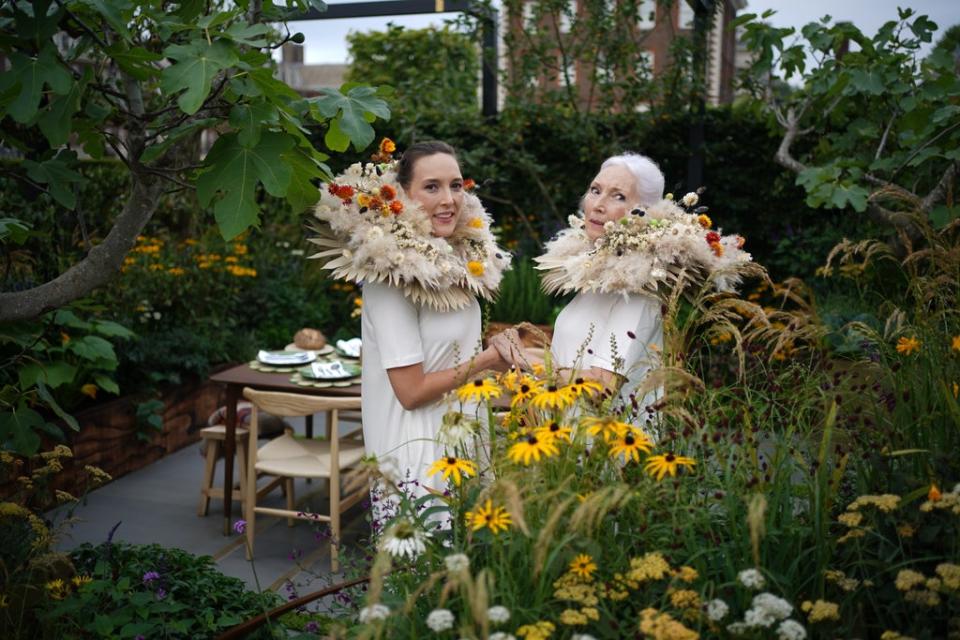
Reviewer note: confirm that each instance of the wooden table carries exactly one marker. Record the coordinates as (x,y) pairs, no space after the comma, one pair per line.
(235,379)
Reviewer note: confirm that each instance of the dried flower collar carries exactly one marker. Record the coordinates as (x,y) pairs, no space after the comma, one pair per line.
(644,253)
(370,231)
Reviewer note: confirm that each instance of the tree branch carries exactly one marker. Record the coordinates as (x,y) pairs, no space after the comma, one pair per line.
(939,191)
(791,123)
(97,267)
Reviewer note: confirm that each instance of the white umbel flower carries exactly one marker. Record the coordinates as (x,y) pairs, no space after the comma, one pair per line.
(498,614)
(374,612)
(501,635)
(771,605)
(440,620)
(717,609)
(582,636)
(791,630)
(404,539)
(751,579)
(457,562)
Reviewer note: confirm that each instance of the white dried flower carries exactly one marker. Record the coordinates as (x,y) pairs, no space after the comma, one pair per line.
(347,254)
(404,539)
(758,618)
(772,605)
(454,432)
(791,630)
(658,273)
(690,199)
(751,579)
(501,635)
(374,612)
(457,562)
(498,615)
(609,225)
(374,233)
(440,620)
(575,221)
(737,628)
(397,258)
(717,609)
(296,252)
(582,636)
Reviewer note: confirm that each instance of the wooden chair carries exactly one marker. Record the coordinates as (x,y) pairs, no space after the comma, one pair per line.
(213,438)
(289,457)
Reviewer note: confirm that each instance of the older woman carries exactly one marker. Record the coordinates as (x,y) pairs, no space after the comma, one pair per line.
(614,336)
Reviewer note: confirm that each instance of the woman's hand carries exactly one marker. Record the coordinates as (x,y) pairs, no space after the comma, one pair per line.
(509,346)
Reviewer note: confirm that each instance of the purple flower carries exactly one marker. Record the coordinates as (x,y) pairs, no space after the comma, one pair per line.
(312,627)
(150,576)
(240,526)
(161,593)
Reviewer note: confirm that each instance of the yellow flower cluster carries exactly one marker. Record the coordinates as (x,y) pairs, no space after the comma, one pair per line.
(650,566)
(662,626)
(840,579)
(821,610)
(685,599)
(950,575)
(886,502)
(894,635)
(908,579)
(949,501)
(241,272)
(907,346)
(537,631)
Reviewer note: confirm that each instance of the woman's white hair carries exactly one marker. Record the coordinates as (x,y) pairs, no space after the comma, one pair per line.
(650,179)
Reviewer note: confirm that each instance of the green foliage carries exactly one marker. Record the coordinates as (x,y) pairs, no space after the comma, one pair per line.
(151,591)
(521,299)
(82,70)
(433,71)
(884,119)
(47,369)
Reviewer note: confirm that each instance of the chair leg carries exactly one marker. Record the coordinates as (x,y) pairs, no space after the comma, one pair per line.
(288,484)
(212,451)
(334,524)
(250,513)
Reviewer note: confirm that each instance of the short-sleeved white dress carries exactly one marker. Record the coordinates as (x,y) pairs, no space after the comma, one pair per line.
(633,324)
(398,333)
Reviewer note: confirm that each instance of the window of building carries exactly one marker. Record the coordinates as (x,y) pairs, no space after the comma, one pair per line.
(570,76)
(686,14)
(564,16)
(645,63)
(528,17)
(647,13)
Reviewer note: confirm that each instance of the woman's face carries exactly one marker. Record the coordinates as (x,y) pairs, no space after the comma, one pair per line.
(612,194)
(437,186)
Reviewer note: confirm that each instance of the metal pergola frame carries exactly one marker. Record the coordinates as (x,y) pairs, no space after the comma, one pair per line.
(489,18)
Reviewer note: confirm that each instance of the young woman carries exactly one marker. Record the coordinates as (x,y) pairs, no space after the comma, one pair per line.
(421,246)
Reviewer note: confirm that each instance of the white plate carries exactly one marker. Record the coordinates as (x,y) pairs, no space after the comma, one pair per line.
(286,358)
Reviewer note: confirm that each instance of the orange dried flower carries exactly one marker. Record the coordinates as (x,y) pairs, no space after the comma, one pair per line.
(741,241)
(388,192)
(396,207)
(934,494)
(705,221)
(717,249)
(469,184)
(387,146)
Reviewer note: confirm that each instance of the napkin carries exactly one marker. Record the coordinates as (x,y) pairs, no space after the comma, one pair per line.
(350,347)
(329,369)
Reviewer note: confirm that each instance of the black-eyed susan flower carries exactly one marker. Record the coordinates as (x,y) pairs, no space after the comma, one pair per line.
(660,465)
(451,467)
(479,390)
(495,518)
(531,448)
(527,388)
(583,566)
(955,344)
(906,346)
(554,430)
(630,444)
(553,397)
(582,386)
(609,427)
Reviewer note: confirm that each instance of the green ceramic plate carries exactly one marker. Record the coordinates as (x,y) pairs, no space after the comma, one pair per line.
(351,371)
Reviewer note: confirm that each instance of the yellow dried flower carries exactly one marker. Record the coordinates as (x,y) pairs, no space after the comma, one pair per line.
(661,626)
(908,579)
(906,530)
(886,502)
(475,268)
(685,599)
(650,566)
(923,597)
(950,574)
(572,617)
(906,346)
(687,574)
(850,519)
(894,635)
(821,610)
(537,631)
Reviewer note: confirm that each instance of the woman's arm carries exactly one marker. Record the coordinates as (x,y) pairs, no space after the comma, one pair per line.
(514,354)
(414,388)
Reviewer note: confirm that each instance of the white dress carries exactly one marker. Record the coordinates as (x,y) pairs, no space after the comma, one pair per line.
(631,325)
(398,333)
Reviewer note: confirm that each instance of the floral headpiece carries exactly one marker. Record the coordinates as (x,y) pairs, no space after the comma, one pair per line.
(370,231)
(644,252)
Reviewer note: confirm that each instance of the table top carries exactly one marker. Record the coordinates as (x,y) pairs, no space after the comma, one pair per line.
(243,375)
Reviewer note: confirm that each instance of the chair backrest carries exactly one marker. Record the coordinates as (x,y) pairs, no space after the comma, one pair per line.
(295,404)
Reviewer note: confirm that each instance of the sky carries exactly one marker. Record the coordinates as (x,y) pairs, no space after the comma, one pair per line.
(326,39)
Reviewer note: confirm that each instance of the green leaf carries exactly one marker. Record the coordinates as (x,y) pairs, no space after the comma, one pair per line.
(248,34)
(18,427)
(216,19)
(249,120)
(31,75)
(67,318)
(112,329)
(53,406)
(942,215)
(197,64)
(40,24)
(92,348)
(17,230)
(103,625)
(107,384)
(870,82)
(155,151)
(117,13)
(136,61)
(302,192)
(53,374)
(56,120)
(270,87)
(335,138)
(349,111)
(57,173)
(234,170)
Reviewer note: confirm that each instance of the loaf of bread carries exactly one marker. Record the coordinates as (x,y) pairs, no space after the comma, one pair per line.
(310,339)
